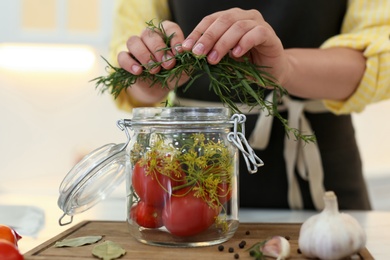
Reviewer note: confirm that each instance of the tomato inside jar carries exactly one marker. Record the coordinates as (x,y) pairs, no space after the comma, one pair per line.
(182,189)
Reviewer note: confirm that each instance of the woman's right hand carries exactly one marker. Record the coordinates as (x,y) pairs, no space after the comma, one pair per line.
(144,52)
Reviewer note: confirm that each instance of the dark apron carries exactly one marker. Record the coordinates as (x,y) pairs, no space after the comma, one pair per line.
(299,24)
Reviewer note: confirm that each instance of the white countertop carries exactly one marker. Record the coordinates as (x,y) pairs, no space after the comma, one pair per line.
(376,223)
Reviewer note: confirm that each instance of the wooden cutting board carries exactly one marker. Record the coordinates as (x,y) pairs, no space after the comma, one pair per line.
(118,233)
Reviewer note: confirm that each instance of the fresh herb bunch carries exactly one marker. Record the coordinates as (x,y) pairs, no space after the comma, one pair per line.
(230,80)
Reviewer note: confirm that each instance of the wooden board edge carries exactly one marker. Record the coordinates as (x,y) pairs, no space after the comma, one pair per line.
(54,239)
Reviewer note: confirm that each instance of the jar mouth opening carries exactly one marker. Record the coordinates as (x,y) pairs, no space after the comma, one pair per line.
(181,113)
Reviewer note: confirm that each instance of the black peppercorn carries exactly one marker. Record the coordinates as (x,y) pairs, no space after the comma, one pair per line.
(242,244)
(221,248)
(231,249)
(236,256)
(247,232)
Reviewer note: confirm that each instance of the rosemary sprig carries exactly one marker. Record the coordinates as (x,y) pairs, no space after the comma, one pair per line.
(255,251)
(230,80)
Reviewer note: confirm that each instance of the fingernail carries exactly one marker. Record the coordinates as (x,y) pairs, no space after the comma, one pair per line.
(135,68)
(167,59)
(187,44)
(237,51)
(178,48)
(213,56)
(150,64)
(198,49)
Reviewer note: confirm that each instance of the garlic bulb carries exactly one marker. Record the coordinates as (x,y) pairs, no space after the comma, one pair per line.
(330,234)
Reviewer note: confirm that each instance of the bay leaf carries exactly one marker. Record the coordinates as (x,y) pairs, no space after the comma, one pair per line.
(78,241)
(108,250)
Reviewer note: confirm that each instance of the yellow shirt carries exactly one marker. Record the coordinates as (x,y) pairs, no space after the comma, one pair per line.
(366,27)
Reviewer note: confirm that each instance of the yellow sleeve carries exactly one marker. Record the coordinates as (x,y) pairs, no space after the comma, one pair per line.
(130,18)
(366,27)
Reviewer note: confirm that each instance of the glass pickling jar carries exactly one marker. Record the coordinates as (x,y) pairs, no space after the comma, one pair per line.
(182,177)
(183,185)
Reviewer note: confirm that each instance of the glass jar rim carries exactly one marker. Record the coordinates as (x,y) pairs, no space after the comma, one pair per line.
(146,114)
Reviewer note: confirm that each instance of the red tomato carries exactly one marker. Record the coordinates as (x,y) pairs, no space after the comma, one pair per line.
(188,215)
(146,215)
(153,187)
(9,234)
(8,251)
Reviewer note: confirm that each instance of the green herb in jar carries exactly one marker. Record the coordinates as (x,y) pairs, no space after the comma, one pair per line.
(169,174)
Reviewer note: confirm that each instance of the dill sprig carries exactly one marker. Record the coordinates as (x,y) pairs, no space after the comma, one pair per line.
(230,80)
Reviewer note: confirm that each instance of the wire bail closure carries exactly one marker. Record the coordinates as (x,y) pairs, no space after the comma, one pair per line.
(62,223)
(122,125)
(253,162)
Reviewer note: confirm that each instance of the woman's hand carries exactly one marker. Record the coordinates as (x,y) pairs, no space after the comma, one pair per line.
(145,52)
(238,32)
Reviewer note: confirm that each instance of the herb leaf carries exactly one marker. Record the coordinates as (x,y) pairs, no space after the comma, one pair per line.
(108,250)
(255,251)
(78,241)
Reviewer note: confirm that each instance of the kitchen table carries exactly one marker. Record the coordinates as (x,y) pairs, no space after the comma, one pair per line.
(376,223)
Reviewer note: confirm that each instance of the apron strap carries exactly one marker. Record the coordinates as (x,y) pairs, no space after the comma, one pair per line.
(298,155)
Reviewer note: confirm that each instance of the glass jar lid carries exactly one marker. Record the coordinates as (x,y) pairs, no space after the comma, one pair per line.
(181,115)
(93,179)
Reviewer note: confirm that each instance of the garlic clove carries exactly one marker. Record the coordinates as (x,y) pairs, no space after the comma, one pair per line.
(331,234)
(277,247)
